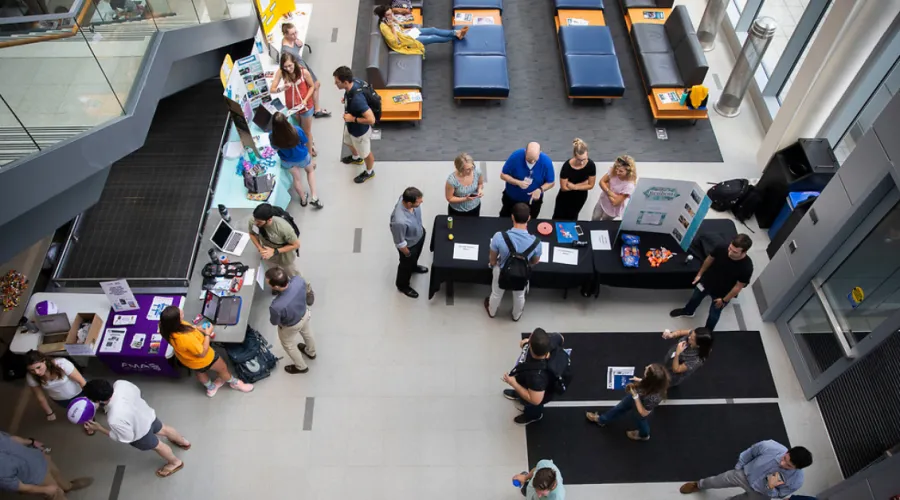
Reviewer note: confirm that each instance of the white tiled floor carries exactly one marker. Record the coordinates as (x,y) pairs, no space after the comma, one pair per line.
(407,402)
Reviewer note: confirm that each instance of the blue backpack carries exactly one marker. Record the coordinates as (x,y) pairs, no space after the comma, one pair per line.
(252,359)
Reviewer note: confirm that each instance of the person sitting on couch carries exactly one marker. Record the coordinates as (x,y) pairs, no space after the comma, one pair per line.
(400,41)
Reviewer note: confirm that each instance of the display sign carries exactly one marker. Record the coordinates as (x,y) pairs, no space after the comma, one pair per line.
(257,89)
(666,206)
(119,295)
(225,70)
(271,11)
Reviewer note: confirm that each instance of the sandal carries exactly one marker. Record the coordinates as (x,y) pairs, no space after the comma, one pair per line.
(164,472)
(304,200)
(313,152)
(184,447)
(322,114)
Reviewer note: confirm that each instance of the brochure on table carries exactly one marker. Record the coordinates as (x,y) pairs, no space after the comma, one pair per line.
(666,206)
(119,295)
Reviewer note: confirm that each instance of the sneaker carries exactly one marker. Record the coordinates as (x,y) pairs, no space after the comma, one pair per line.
(510,395)
(523,420)
(240,385)
(348,159)
(363,177)
(317,203)
(636,436)
(680,313)
(595,418)
(216,384)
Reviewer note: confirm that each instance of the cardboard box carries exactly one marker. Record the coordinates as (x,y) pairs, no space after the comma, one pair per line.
(72,346)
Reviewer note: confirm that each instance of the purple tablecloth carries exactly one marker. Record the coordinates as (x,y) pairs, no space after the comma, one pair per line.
(140,360)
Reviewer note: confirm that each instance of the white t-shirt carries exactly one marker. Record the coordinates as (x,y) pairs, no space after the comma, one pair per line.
(59,389)
(129,417)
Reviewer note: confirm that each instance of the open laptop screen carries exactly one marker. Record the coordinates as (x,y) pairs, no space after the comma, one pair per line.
(220,237)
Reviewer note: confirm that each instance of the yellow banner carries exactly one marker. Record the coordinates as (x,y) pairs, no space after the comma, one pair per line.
(227,65)
(271,11)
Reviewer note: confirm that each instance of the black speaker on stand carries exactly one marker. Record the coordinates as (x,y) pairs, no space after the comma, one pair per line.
(806,165)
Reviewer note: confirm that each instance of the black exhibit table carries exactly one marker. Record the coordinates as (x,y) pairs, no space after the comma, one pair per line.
(677,273)
(479,231)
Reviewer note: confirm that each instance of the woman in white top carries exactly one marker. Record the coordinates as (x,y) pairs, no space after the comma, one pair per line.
(616,186)
(54,377)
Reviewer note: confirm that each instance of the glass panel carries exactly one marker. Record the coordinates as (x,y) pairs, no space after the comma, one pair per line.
(787,14)
(740,4)
(173,14)
(63,90)
(873,107)
(14,140)
(809,42)
(212,10)
(874,267)
(815,338)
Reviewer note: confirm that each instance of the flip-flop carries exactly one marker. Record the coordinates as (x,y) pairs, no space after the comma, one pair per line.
(304,200)
(312,151)
(164,473)
(182,446)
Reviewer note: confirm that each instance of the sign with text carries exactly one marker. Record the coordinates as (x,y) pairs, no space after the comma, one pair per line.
(666,206)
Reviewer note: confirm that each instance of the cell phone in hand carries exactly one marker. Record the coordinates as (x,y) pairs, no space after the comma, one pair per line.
(473,195)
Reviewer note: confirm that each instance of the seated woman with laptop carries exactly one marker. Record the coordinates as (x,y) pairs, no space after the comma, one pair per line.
(414,40)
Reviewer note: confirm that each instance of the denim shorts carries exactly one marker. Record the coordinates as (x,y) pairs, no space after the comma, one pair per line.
(149,441)
(299,164)
(308,114)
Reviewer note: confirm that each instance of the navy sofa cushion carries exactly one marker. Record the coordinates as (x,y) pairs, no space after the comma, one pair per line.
(478,4)
(484,40)
(580,4)
(649,38)
(660,70)
(593,75)
(585,40)
(480,76)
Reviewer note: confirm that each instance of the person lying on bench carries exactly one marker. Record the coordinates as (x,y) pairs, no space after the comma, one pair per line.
(400,41)
(403,10)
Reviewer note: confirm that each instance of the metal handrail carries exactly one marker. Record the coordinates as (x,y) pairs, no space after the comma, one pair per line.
(76,8)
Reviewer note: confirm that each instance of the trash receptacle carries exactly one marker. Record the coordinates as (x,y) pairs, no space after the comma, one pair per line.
(793,199)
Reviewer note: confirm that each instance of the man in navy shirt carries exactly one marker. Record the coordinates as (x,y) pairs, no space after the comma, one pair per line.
(528,173)
(359,119)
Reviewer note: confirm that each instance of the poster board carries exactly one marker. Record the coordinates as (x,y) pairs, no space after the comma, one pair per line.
(251,71)
(666,206)
(225,70)
(270,12)
(119,295)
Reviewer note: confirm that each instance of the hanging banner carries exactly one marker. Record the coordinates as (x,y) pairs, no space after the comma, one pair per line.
(225,70)
(271,11)
(666,206)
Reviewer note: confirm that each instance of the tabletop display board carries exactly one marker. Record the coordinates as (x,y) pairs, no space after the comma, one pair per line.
(119,295)
(666,206)
(271,11)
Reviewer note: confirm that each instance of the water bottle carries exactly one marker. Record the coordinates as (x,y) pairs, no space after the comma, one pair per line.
(517,483)
(213,257)
(223,211)
(449,222)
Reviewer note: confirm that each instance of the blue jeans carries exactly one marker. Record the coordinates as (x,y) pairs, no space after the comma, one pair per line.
(624,406)
(714,312)
(434,35)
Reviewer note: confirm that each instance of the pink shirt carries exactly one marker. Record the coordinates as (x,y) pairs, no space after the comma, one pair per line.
(617,186)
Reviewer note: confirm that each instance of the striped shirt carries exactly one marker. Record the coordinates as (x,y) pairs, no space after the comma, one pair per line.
(462,191)
(690,357)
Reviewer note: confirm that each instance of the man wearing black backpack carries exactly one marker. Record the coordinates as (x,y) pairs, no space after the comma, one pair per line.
(362,108)
(540,374)
(513,254)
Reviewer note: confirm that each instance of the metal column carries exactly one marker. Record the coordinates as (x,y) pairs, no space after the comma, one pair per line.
(710,23)
(761,32)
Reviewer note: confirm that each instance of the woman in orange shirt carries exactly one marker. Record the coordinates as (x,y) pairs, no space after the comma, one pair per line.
(191,346)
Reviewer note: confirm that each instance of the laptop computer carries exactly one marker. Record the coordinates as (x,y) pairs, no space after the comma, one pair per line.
(228,240)
(222,310)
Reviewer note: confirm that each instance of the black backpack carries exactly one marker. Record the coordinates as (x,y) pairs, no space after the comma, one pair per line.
(280,212)
(372,97)
(516,272)
(747,205)
(252,359)
(727,194)
(558,369)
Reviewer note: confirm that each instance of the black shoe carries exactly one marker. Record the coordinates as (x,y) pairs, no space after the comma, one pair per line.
(293,370)
(420,270)
(523,420)
(487,306)
(409,292)
(680,313)
(317,203)
(302,348)
(363,177)
(510,395)
(348,159)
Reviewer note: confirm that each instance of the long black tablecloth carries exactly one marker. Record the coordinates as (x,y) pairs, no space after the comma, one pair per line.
(595,267)
(480,230)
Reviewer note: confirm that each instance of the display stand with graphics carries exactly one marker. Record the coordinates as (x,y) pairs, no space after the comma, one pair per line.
(666,206)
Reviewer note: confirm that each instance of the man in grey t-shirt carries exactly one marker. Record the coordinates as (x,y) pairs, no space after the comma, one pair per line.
(409,238)
(291,315)
(24,468)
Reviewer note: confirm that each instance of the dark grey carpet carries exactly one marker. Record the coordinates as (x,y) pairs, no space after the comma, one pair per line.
(537,108)
(145,224)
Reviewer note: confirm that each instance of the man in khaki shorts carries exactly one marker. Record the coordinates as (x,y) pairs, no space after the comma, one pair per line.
(359,119)
(289,313)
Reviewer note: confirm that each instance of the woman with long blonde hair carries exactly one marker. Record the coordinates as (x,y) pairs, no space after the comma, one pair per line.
(464,188)
(616,187)
(576,178)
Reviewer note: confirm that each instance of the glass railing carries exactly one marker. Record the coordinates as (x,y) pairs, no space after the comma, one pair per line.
(67,66)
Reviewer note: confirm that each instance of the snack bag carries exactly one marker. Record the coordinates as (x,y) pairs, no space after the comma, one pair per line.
(631,240)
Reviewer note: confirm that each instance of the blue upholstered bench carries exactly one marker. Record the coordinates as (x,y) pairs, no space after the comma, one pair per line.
(579,4)
(590,63)
(478,4)
(479,64)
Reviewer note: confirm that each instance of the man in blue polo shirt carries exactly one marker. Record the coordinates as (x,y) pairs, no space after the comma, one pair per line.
(528,173)
(522,240)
